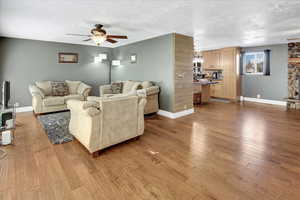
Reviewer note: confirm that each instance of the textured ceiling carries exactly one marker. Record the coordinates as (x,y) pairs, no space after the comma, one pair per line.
(213,23)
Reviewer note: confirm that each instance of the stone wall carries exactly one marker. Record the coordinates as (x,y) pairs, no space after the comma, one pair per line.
(294,70)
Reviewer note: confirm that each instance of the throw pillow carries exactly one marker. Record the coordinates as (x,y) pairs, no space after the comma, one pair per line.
(45,87)
(59,88)
(146,84)
(73,86)
(82,88)
(117,87)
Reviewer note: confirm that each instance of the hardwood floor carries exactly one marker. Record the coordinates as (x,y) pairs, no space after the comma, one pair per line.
(223,151)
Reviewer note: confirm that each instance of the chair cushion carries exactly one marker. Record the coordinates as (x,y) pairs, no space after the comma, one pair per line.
(45,86)
(117,87)
(146,84)
(73,86)
(73,96)
(59,88)
(53,101)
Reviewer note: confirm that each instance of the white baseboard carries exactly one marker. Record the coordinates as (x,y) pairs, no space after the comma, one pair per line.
(175,115)
(267,101)
(24,109)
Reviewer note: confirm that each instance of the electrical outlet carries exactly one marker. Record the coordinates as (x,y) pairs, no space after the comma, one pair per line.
(258,96)
(17,104)
(185,107)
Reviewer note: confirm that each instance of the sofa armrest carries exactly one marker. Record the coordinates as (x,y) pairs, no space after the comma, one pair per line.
(84,89)
(35,91)
(105,89)
(152,90)
(90,108)
(141,106)
(93,98)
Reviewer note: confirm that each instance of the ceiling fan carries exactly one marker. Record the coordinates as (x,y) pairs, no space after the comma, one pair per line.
(98,35)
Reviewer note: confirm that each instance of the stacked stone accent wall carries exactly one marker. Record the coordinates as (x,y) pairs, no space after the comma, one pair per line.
(294,71)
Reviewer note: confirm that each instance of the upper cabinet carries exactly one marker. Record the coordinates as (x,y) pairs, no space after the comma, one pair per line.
(212,59)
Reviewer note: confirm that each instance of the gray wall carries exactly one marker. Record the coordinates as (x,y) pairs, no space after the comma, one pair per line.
(274,87)
(155,62)
(25,61)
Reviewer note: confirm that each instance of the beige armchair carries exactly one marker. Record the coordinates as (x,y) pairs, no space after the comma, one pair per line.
(102,122)
(133,87)
(44,102)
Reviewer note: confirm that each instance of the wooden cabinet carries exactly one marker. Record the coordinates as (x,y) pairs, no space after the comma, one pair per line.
(217,90)
(230,73)
(211,59)
(227,60)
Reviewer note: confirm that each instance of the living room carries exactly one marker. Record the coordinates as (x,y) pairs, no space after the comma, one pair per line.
(149,100)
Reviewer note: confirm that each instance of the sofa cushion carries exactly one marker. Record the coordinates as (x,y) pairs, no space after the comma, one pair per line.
(45,86)
(73,96)
(59,88)
(73,86)
(117,87)
(146,84)
(53,101)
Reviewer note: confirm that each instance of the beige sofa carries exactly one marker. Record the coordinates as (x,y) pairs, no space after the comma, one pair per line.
(101,122)
(133,87)
(44,102)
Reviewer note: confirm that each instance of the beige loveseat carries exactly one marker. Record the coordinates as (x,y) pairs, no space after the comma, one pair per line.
(101,122)
(133,87)
(44,102)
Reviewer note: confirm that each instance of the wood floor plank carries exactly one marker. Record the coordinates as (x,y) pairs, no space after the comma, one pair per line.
(223,151)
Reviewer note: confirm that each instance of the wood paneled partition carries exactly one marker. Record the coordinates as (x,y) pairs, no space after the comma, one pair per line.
(183,74)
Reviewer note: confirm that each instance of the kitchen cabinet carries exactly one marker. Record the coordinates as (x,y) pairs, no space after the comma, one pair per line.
(217,90)
(225,60)
(211,59)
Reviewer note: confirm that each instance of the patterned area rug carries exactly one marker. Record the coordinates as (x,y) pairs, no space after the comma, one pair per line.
(56,126)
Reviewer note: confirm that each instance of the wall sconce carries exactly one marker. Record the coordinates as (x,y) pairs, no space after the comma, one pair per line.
(97,59)
(115,62)
(101,57)
(133,58)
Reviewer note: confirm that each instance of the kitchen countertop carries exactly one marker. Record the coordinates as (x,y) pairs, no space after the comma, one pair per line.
(203,83)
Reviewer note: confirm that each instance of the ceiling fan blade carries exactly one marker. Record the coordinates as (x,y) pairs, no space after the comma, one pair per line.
(293,39)
(87,40)
(111,41)
(74,34)
(117,36)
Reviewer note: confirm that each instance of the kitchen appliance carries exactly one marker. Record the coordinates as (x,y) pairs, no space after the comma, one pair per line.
(217,75)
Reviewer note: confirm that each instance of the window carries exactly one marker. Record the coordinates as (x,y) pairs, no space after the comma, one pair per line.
(256,63)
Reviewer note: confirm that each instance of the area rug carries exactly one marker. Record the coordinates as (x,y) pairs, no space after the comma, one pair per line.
(56,126)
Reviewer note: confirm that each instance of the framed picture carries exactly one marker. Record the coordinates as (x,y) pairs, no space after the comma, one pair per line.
(133,58)
(68,57)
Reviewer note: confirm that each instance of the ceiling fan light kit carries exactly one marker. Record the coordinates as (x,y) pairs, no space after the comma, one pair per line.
(99,39)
